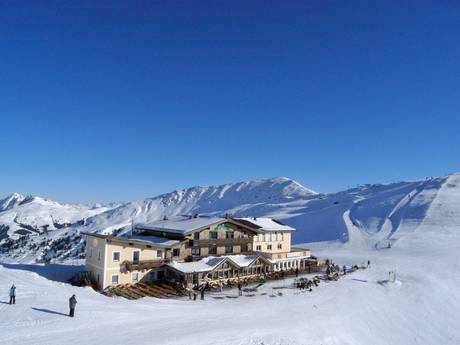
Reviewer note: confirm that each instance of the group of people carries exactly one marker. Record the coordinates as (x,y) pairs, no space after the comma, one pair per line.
(72,300)
(305,283)
(191,291)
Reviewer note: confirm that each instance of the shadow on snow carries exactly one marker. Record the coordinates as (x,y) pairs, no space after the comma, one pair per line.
(43,310)
(56,272)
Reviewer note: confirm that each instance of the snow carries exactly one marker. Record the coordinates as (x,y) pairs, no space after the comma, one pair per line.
(152,239)
(422,306)
(267,224)
(420,219)
(209,263)
(380,213)
(182,224)
(203,265)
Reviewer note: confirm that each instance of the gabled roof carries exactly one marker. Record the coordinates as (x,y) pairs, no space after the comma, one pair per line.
(210,263)
(204,265)
(265,224)
(184,225)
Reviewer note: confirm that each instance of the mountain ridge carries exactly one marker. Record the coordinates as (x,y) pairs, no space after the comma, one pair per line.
(373,215)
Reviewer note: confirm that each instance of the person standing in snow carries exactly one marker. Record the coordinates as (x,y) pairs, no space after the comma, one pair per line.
(220,285)
(13,294)
(240,289)
(296,272)
(72,305)
(368,263)
(344,269)
(202,292)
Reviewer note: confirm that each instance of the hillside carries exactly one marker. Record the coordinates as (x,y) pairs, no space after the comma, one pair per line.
(31,226)
(371,215)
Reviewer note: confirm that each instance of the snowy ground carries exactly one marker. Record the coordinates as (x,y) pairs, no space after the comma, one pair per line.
(421,307)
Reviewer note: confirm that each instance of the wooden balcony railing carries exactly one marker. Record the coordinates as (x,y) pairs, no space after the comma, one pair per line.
(143,264)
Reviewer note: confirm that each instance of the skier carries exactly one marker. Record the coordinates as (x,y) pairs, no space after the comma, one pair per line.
(368,263)
(296,272)
(344,269)
(72,305)
(240,291)
(13,294)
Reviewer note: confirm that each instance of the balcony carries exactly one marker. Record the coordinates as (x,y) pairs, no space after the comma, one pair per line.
(220,242)
(142,265)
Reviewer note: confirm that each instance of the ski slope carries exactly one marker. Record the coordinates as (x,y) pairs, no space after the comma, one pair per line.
(421,307)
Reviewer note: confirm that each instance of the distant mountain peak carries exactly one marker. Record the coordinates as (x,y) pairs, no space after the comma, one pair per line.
(11,201)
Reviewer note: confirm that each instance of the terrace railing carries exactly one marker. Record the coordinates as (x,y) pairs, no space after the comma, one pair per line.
(143,264)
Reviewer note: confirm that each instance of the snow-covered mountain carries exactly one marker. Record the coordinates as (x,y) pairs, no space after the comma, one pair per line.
(371,215)
(11,201)
(28,225)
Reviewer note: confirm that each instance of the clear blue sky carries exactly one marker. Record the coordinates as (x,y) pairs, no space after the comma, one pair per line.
(110,100)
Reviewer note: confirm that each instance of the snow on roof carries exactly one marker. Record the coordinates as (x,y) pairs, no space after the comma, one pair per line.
(180,224)
(243,260)
(211,262)
(204,265)
(150,239)
(267,224)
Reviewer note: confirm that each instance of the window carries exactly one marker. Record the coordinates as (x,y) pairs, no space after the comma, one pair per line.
(159,253)
(269,247)
(280,236)
(196,236)
(136,256)
(213,235)
(176,252)
(228,249)
(134,277)
(115,279)
(212,250)
(116,256)
(229,235)
(266,239)
(244,248)
(280,246)
(99,255)
(259,247)
(196,251)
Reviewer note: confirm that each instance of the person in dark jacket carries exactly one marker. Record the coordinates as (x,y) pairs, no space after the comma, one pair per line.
(240,289)
(72,305)
(202,292)
(296,272)
(13,294)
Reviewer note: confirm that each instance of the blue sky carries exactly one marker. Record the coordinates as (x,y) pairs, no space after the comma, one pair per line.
(114,101)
